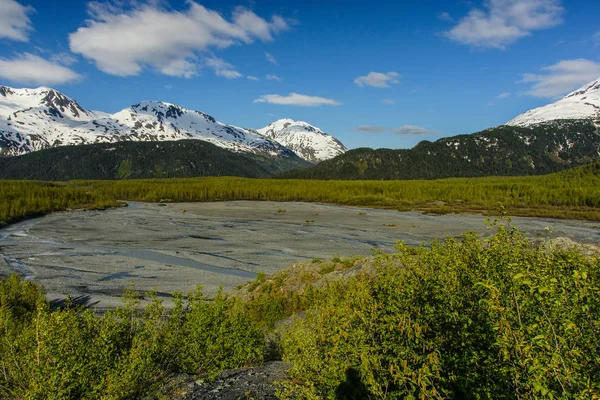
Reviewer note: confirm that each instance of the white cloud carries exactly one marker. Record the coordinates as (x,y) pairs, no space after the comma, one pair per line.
(295,99)
(222,68)
(168,87)
(124,42)
(378,79)
(445,16)
(412,130)
(503,22)
(252,78)
(504,95)
(228,74)
(14,21)
(180,68)
(561,78)
(370,129)
(31,69)
(388,101)
(274,78)
(271,59)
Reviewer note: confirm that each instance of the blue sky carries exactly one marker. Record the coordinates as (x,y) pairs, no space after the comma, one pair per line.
(374,74)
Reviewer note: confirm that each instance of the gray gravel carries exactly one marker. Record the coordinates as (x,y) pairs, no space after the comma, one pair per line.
(94,255)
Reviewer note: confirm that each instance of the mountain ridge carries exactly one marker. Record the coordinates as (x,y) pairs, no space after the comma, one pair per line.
(40,118)
(583,103)
(501,151)
(308,141)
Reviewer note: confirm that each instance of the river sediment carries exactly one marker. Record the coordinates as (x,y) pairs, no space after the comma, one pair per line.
(95,255)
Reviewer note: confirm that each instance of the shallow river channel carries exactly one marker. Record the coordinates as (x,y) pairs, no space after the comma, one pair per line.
(94,255)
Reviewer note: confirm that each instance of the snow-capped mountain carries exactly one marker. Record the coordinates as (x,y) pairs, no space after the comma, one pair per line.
(308,141)
(35,119)
(583,103)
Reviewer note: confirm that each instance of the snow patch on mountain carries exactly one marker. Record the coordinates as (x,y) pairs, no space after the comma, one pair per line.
(35,119)
(309,142)
(583,103)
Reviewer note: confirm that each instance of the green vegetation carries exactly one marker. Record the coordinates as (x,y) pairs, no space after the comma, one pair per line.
(493,319)
(72,353)
(570,194)
(22,199)
(136,160)
(481,319)
(500,151)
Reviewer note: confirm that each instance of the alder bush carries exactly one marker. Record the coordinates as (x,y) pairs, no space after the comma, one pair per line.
(478,319)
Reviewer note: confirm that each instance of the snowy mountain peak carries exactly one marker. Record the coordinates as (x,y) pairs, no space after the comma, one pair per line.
(285,123)
(583,103)
(585,90)
(306,140)
(43,99)
(35,119)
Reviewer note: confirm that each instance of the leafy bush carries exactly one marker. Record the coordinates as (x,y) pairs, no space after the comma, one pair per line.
(75,354)
(479,319)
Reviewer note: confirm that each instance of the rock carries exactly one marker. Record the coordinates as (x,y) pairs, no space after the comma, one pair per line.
(256,383)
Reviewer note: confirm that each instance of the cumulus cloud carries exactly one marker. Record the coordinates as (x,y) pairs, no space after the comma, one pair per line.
(124,42)
(378,79)
(295,99)
(561,78)
(252,78)
(273,78)
(14,21)
(27,68)
(413,130)
(503,22)
(388,101)
(271,59)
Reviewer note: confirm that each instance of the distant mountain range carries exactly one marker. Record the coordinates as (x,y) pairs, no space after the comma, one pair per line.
(140,139)
(42,118)
(561,135)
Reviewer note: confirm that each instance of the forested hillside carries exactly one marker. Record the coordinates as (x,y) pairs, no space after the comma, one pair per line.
(133,160)
(500,151)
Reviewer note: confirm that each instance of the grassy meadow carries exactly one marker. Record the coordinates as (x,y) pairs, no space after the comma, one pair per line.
(571,194)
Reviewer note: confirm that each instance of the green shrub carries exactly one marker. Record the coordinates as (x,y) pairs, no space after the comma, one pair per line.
(479,319)
(217,335)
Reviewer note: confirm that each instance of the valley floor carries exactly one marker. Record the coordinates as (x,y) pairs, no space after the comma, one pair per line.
(93,255)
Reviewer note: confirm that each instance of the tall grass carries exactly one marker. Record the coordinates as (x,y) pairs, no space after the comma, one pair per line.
(570,194)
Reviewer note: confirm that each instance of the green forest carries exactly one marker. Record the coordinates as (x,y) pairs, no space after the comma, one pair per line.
(136,160)
(478,319)
(499,151)
(569,194)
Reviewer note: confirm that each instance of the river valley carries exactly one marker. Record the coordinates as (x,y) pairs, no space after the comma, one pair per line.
(93,255)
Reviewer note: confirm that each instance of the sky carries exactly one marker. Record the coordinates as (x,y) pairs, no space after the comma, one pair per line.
(373,74)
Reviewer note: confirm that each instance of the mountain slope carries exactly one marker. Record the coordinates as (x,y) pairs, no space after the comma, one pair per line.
(132,160)
(504,150)
(308,141)
(583,103)
(35,119)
